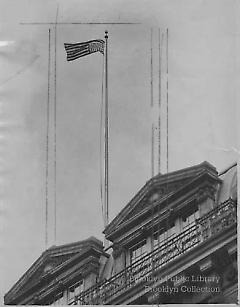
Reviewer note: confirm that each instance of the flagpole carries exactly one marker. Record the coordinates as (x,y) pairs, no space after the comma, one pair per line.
(106,134)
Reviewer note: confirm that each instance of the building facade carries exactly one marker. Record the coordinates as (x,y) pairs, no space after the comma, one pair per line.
(174,242)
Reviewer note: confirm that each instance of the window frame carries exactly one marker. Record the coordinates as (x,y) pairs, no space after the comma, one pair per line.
(195,214)
(141,244)
(166,236)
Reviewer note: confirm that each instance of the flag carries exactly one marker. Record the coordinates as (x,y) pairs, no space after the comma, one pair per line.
(78,50)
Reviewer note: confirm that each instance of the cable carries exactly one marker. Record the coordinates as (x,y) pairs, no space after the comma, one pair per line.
(47,139)
(55,131)
(159,97)
(160,41)
(151,98)
(151,63)
(168,216)
(152,148)
(167,104)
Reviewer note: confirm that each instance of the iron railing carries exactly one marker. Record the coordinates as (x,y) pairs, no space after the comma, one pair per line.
(215,221)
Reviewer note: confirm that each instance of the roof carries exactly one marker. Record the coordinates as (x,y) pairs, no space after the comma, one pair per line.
(50,260)
(73,246)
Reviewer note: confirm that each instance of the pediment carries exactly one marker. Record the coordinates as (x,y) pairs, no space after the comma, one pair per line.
(155,190)
(45,264)
(51,260)
(154,195)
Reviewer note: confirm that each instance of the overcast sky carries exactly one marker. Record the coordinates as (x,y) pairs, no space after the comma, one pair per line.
(202,110)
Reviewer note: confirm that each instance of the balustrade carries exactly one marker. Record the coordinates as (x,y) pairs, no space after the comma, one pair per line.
(215,221)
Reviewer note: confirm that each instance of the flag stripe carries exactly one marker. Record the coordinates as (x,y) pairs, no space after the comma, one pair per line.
(72,52)
(77,50)
(74,57)
(78,53)
(75,47)
(72,48)
(84,43)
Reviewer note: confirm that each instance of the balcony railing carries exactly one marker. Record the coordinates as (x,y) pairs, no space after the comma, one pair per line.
(215,221)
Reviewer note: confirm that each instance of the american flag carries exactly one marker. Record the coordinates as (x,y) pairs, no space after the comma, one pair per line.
(77,50)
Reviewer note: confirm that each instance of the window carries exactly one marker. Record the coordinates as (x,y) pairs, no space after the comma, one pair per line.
(138,250)
(163,234)
(189,218)
(75,290)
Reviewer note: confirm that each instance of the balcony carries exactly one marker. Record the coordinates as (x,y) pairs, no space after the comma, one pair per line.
(217,220)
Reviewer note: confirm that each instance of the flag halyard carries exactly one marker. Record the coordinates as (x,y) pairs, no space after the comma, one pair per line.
(78,50)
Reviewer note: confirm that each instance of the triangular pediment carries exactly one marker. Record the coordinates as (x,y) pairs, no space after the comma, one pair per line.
(156,193)
(157,188)
(51,260)
(44,264)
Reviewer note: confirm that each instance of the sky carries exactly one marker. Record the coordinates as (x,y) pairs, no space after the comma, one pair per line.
(202,82)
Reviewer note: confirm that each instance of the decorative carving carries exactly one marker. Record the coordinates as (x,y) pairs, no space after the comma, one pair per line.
(48,267)
(155,196)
